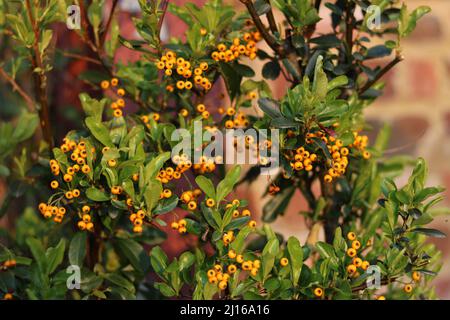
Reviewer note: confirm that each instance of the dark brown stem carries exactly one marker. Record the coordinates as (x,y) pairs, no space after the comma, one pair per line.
(81,57)
(164,6)
(349,28)
(20,91)
(370,83)
(40,81)
(271,20)
(108,23)
(85,24)
(271,41)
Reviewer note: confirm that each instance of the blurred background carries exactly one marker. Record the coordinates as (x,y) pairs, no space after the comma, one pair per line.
(416,103)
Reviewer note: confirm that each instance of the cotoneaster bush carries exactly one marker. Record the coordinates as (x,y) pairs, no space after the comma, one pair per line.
(109,191)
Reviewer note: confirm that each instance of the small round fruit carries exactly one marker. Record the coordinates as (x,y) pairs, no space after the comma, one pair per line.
(284,262)
(408,288)
(318,292)
(351,236)
(351,269)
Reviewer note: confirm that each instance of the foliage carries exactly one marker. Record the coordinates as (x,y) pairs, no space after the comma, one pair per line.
(117,181)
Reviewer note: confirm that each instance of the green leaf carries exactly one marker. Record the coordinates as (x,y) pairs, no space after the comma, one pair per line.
(37,250)
(92,107)
(186,260)
(337,82)
(271,70)
(295,253)
(135,253)
(120,281)
(238,243)
(95,194)
(152,168)
(430,232)
(99,131)
(55,256)
(151,194)
(320,83)
(227,184)
(232,79)
(77,249)
(207,186)
(278,204)
(158,260)
(270,107)
(165,289)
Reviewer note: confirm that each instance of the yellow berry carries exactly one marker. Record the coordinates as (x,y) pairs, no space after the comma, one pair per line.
(318,292)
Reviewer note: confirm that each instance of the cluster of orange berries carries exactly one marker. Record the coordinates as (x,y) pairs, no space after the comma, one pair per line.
(169,173)
(146,118)
(165,194)
(205,165)
(360,143)
(201,108)
(303,160)
(274,189)
(8,296)
(85,223)
(228,237)
(246,265)
(352,269)
(49,211)
(183,68)
(119,104)
(137,219)
(179,225)
(190,198)
(234,120)
(10,263)
(245,46)
(78,155)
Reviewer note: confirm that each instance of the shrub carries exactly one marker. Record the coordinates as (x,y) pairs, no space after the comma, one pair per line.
(118,182)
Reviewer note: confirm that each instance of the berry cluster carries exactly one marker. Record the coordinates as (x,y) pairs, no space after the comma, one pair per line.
(245,46)
(205,165)
(233,119)
(303,160)
(180,226)
(169,173)
(146,118)
(49,211)
(190,198)
(357,262)
(85,223)
(119,103)
(183,71)
(137,219)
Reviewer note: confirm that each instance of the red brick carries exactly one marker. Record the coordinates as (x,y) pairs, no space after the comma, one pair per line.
(407,132)
(428,29)
(422,79)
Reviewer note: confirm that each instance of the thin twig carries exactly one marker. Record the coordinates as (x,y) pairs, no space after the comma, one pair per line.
(18,88)
(164,6)
(380,74)
(40,81)
(271,20)
(262,29)
(108,23)
(81,57)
